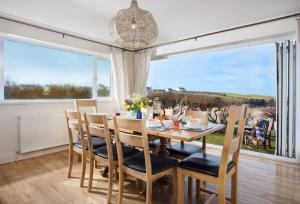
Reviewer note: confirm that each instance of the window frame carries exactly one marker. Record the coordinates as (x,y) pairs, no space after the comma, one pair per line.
(95,57)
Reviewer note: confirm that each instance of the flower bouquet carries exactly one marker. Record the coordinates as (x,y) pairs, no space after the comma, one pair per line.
(136,103)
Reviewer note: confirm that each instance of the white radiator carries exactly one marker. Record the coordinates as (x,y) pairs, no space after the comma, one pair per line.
(44,131)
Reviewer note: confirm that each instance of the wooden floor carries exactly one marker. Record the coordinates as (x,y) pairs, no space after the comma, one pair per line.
(43,180)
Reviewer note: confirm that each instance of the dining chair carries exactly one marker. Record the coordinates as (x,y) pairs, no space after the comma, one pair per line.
(87,105)
(217,169)
(183,149)
(97,126)
(74,132)
(145,166)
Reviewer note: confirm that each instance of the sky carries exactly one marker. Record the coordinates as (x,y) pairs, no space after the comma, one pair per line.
(247,70)
(32,64)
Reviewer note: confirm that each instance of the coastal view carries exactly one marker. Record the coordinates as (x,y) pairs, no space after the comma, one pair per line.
(214,81)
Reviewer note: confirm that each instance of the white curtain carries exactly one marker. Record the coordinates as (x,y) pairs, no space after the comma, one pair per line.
(142,62)
(122,74)
(130,73)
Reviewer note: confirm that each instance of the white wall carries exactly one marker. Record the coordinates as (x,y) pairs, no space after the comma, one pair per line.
(10,111)
(9,114)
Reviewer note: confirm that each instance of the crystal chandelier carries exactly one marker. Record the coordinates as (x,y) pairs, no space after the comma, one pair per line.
(133,28)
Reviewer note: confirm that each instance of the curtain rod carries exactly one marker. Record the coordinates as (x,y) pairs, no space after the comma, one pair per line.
(223,31)
(158,45)
(62,33)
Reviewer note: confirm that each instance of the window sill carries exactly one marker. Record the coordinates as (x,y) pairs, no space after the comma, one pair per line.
(48,101)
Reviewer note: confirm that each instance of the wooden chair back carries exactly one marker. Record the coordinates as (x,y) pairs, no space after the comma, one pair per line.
(85,103)
(126,131)
(74,127)
(97,125)
(232,144)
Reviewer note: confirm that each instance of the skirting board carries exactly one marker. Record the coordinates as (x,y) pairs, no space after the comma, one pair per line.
(41,152)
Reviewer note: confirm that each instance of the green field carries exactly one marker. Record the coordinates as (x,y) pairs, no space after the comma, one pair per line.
(218,139)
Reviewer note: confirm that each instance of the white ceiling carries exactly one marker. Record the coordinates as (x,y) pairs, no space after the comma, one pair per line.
(176,19)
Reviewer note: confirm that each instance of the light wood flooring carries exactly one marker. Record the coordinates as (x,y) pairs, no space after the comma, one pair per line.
(44,180)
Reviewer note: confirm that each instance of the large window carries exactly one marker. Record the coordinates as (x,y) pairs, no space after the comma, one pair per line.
(215,80)
(37,72)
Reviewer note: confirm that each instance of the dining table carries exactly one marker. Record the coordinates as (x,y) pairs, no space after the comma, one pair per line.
(179,134)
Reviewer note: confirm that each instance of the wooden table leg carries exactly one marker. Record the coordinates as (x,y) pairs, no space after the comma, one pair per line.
(164,152)
(104,172)
(163,147)
(204,143)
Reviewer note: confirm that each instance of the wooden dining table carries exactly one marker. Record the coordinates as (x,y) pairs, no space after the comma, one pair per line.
(177,134)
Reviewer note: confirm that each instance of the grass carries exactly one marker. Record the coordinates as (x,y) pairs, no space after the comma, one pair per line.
(218,139)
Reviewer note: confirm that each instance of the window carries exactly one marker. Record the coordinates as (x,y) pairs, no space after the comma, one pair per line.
(103,78)
(37,72)
(215,80)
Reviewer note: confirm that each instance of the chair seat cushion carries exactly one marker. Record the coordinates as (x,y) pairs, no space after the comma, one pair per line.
(154,143)
(158,163)
(204,163)
(185,149)
(127,152)
(97,142)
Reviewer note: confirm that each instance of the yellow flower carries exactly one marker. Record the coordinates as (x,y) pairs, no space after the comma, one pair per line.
(141,105)
(128,107)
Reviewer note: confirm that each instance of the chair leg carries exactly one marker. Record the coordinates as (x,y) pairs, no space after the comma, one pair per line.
(174,185)
(116,173)
(83,167)
(198,186)
(71,158)
(234,187)
(222,193)
(110,184)
(121,186)
(190,187)
(91,175)
(149,192)
(180,186)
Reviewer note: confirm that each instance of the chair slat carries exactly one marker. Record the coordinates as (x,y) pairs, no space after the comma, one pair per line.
(241,112)
(71,115)
(130,139)
(94,118)
(97,131)
(129,125)
(73,125)
(85,103)
(234,145)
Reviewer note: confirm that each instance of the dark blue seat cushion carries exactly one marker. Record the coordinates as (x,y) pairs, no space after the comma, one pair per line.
(158,163)
(185,149)
(204,163)
(127,152)
(154,143)
(97,142)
